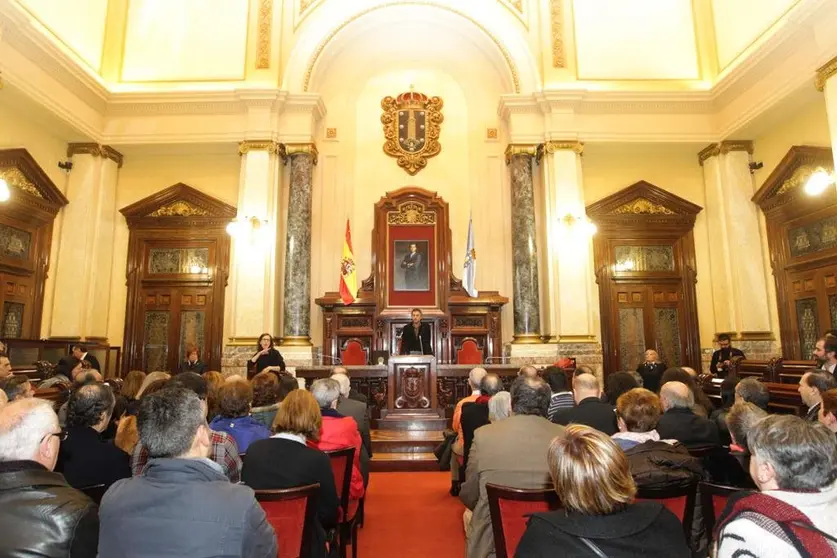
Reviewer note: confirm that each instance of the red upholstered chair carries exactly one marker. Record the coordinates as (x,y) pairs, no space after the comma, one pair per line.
(679,500)
(353,353)
(713,499)
(509,508)
(341,467)
(469,352)
(292,513)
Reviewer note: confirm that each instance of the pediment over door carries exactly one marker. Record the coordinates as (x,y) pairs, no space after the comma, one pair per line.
(178,206)
(30,187)
(785,184)
(643,203)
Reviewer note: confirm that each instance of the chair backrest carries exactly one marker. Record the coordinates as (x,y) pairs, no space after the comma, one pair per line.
(510,508)
(353,353)
(713,499)
(341,466)
(292,513)
(469,352)
(95,492)
(703,451)
(680,500)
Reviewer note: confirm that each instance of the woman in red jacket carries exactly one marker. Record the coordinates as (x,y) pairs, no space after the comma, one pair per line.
(338,431)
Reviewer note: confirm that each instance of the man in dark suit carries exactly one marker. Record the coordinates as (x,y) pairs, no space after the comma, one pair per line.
(722,357)
(80,352)
(415,337)
(589,408)
(475,414)
(359,412)
(680,423)
(413,266)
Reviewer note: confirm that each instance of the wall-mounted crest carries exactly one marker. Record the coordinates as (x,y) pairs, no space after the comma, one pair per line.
(412,124)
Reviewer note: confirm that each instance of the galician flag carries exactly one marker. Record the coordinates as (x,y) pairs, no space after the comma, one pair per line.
(469,272)
(348,270)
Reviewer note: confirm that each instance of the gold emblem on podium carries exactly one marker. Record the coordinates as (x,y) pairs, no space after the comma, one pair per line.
(412,124)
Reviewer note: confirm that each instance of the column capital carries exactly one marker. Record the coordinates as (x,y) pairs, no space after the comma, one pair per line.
(824,72)
(292,149)
(96,150)
(563,145)
(530,149)
(270,146)
(724,147)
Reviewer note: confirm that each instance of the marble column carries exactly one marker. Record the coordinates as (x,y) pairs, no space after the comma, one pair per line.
(301,159)
(85,244)
(526,299)
(737,266)
(827,83)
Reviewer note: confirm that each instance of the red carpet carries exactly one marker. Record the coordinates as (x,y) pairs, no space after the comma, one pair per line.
(411,515)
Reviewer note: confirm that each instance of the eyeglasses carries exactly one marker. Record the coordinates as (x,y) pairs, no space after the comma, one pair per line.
(61,435)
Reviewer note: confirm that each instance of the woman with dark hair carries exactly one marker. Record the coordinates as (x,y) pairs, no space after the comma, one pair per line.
(719,416)
(265,398)
(193,361)
(235,399)
(703,406)
(618,383)
(268,358)
(287,384)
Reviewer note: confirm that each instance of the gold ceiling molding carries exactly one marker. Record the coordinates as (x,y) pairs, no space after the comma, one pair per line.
(263,45)
(321,46)
(292,149)
(529,149)
(556,19)
(642,206)
(411,213)
(827,70)
(711,150)
(16,179)
(270,146)
(96,150)
(179,208)
(724,147)
(799,177)
(552,146)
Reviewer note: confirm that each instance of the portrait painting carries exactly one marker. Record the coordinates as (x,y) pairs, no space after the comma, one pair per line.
(412,268)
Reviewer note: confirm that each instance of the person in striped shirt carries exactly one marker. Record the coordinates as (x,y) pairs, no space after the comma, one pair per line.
(562,396)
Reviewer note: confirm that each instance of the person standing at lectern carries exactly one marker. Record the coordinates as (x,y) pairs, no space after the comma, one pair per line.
(722,358)
(268,358)
(415,337)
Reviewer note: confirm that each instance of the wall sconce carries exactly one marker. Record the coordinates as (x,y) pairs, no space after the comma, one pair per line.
(577,225)
(818,182)
(5,193)
(247,227)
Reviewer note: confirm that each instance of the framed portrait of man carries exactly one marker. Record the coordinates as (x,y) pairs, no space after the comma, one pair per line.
(412,271)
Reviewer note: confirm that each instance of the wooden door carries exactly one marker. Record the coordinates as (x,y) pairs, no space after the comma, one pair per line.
(813,296)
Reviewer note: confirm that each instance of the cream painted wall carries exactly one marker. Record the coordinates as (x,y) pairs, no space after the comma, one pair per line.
(622,40)
(79,24)
(185,40)
(739,23)
(213,171)
(609,168)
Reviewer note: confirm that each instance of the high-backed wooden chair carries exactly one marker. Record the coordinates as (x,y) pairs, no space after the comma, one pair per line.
(353,353)
(680,500)
(469,352)
(292,513)
(341,466)
(713,499)
(509,508)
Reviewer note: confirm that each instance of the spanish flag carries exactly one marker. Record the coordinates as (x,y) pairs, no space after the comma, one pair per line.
(348,270)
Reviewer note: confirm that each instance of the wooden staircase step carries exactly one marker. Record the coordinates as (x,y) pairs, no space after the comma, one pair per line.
(405,461)
(405,441)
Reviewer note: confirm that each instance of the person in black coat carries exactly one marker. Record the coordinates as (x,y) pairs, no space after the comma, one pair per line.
(85,458)
(415,337)
(285,461)
(80,352)
(680,423)
(599,516)
(721,359)
(267,358)
(475,415)
(651,371)
(193,361)
(590,409)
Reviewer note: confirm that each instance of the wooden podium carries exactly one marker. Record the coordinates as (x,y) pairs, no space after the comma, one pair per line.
(412,402)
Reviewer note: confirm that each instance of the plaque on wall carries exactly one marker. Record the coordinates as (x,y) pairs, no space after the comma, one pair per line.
(412,124)
(14,242)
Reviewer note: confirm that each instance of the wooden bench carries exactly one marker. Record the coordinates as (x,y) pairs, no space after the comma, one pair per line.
(784,397)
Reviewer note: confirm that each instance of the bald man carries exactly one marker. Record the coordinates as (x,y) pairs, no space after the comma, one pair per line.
(589,410)
(679,422)
(529,371)
(457,456)
(353,393)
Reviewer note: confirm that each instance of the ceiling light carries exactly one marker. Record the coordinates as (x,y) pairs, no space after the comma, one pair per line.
(818,182)
(5,193)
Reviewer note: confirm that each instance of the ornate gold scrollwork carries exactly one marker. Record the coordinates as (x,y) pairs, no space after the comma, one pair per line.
(179,208)
(15,179)
(642,206)
(411,213)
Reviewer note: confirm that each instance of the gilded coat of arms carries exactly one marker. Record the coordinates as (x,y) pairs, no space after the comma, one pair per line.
(412,124)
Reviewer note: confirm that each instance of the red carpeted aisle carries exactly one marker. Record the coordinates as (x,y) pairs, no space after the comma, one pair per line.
(411,515)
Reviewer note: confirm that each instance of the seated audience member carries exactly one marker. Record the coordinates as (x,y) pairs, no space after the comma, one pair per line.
(825,354)
(193,361)
(265,398)
(590,409)
(214,380)
(703,406)
(719,416)
(18,387)
(562,396)
(235,399)
(297,422)
(132,384)
(651,370)
(794,466)
(151,378)
(337,431)
(529,371)
(679,421)
(510,452)
(457,454)
(599,517)
(288,383)
(828,410)
(353,393)
(85,458)
(734,467)
(58,374)
(358,411)
(80,352)
(752,391)
(183,505)
(637,414)
(811,387)
(475,415)
(616,384)
(499,407)
(223,451)
(5,367)
(3,398)
(40,514)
